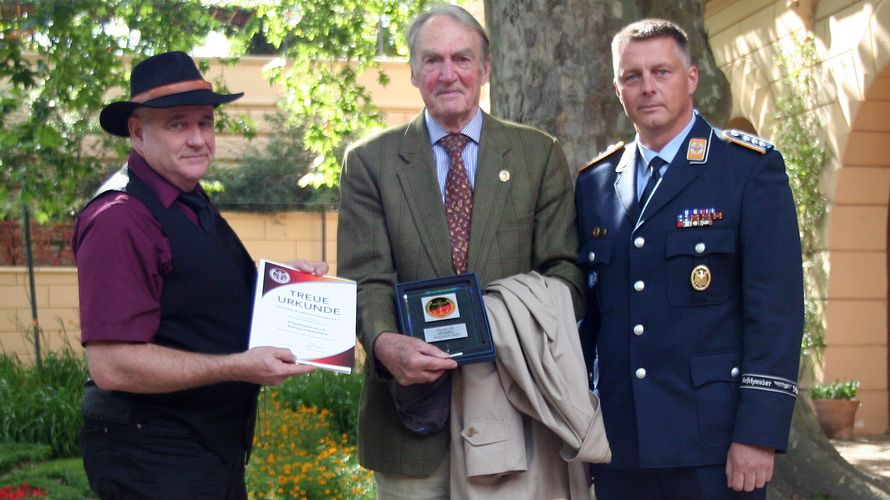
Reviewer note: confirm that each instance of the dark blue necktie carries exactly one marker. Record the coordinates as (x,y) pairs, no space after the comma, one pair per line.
(654,174)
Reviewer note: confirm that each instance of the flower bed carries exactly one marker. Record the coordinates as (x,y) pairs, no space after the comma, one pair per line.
(300,453)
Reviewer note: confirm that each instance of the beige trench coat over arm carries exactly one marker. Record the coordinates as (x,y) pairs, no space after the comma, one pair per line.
(524,426)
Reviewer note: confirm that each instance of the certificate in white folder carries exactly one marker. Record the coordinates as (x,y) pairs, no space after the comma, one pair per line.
(313,316)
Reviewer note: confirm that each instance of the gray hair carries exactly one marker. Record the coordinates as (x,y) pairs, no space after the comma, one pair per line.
(648,29)
(455,12)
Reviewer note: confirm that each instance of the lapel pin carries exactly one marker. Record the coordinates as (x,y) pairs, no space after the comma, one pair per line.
(504,175)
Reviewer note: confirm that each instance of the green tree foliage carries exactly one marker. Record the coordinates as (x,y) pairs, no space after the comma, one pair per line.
(325,45)
(62,59)
(271,178)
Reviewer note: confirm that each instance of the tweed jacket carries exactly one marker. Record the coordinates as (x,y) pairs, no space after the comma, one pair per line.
(392,228)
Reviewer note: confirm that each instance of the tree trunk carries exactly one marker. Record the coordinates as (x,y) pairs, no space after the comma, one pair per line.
(812,468)
(552,68)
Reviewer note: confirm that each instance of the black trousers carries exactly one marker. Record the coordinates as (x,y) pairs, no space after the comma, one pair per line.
(156,459)
(685,483)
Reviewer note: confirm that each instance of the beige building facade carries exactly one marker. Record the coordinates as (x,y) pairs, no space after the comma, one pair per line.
(853,43)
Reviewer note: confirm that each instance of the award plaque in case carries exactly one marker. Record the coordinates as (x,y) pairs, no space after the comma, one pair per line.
(448,313)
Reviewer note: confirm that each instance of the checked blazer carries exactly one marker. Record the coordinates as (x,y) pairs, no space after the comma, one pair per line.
(392,228)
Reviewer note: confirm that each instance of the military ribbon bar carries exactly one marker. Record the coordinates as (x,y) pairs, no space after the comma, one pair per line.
(698,217)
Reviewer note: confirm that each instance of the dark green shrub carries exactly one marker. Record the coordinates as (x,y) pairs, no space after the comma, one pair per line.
(42,404)
(268,180)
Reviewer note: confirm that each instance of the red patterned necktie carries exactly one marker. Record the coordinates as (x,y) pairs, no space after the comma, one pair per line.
(458,201)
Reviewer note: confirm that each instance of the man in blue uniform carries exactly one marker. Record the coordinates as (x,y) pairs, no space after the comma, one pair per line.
(695,294)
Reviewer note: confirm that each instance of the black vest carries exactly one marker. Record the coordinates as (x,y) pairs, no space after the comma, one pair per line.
(206,303)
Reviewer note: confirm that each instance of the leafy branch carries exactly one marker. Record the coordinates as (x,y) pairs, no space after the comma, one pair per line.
(60,60)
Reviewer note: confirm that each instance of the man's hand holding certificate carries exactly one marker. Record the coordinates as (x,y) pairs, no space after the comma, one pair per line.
(313,316)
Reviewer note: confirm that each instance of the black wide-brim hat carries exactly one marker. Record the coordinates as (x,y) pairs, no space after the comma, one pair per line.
(162,81)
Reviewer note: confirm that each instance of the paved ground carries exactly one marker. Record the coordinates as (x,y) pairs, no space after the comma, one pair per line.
(869,453)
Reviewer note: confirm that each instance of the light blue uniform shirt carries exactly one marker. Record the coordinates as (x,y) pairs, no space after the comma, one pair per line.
(470,155)
(667,153)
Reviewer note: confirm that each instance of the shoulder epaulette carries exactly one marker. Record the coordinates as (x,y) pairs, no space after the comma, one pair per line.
(747,140)
(609,151)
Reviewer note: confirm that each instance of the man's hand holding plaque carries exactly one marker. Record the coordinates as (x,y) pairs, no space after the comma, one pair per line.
(447,313)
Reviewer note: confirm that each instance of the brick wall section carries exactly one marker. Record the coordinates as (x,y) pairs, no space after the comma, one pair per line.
(51,244)
(281,237)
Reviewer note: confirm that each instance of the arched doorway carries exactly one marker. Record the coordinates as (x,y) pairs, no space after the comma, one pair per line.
(858,238)
(743,124)
(853,106)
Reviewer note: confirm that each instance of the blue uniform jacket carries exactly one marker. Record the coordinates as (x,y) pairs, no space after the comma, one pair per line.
(696,309)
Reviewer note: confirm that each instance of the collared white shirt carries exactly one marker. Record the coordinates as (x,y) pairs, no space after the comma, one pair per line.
(470,155)
(667,153)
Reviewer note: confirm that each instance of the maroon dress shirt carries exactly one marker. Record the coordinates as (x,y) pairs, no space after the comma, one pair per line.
(122,256)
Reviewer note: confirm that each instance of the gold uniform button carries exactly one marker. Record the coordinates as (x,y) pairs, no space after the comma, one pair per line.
(700,278)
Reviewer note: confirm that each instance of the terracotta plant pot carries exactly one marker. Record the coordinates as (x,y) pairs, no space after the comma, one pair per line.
(836,416)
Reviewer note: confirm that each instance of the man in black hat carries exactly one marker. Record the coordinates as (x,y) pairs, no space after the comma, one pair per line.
(165,302)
